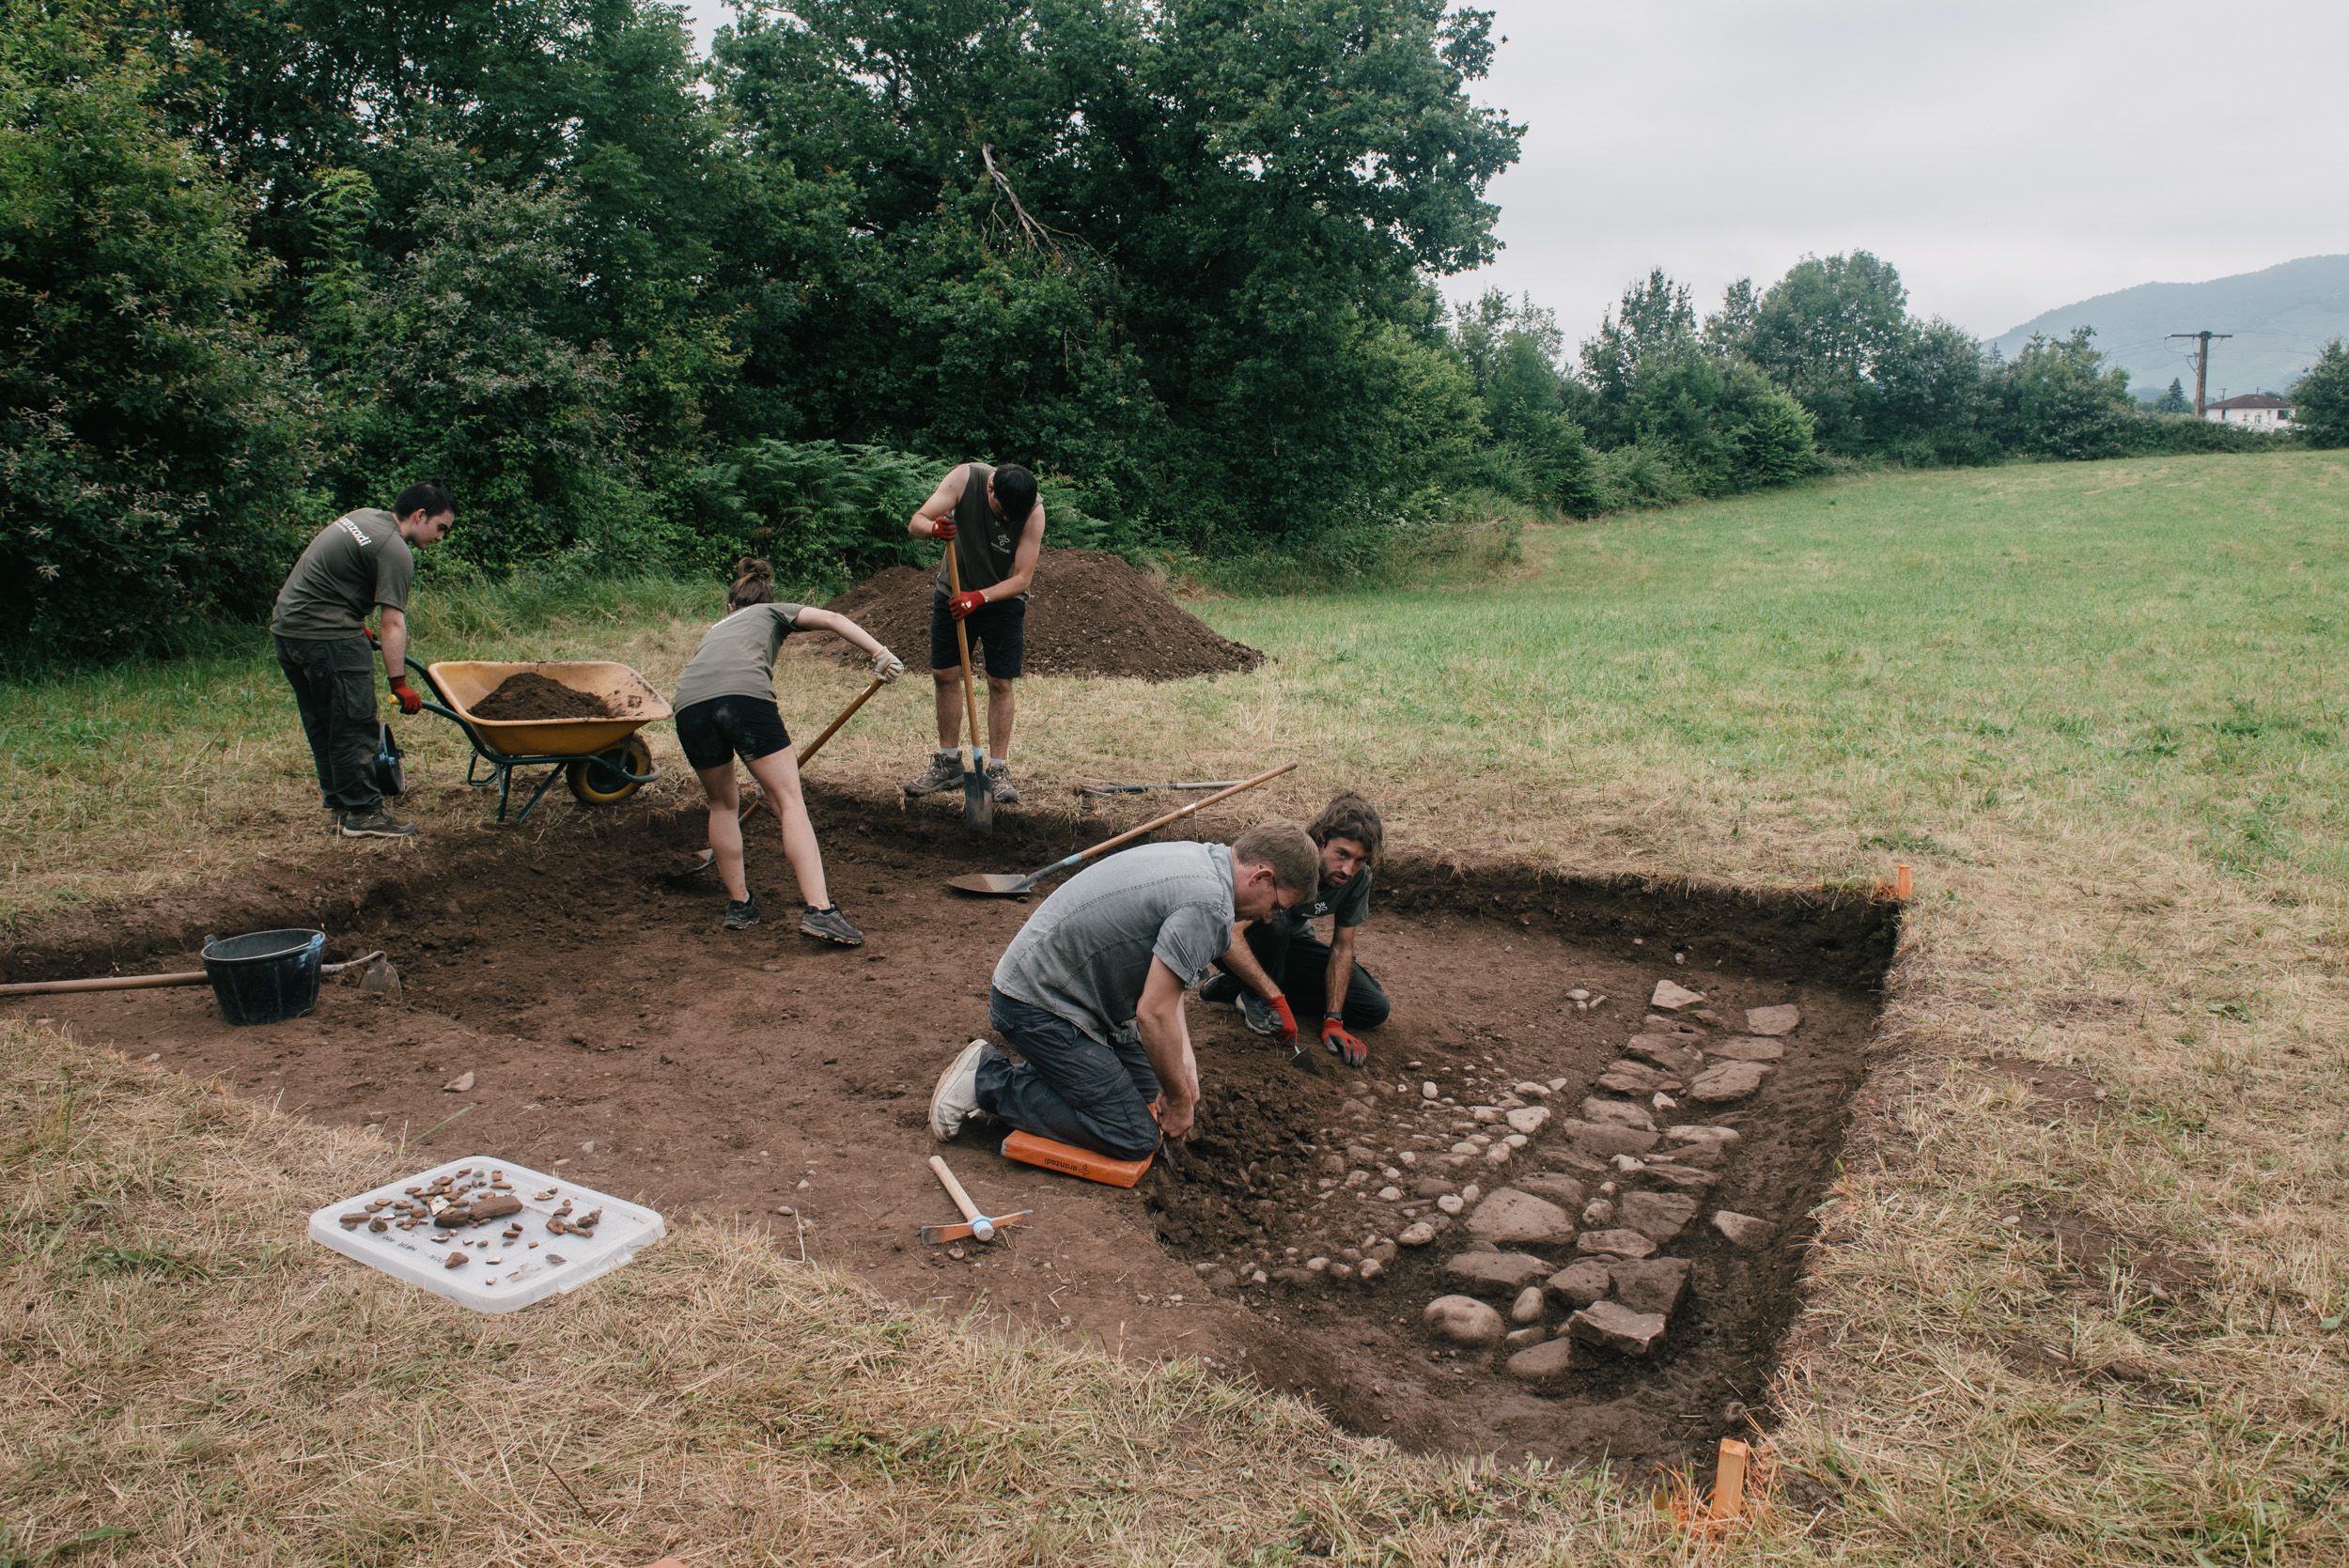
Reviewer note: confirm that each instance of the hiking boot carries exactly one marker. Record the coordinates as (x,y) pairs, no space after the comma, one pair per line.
(377,823)
(1221,990)
(945,772)
(1259,1014)
(999,784)
(830,926)
(741,914)
(955,1099)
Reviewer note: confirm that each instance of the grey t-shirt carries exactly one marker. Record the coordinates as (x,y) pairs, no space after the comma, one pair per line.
(1084,954)
(1350,904)
(356,563)
(737,657)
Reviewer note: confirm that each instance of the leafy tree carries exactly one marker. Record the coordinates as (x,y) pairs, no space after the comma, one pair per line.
(2319,399)
(1729,331)
(1722,422)
(1831,331)
(2174,400)
(1653,320)
(152,437)
(2056,399)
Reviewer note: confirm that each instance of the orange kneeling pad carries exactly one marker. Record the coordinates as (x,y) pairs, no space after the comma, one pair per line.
(1069,1160)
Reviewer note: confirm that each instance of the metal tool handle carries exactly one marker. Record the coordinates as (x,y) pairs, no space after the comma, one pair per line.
(1179,813)
(954,1189)
(833,728)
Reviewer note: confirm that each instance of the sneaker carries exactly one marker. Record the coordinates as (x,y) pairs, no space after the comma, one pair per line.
(830,926)
(377,823)
(1259,1014)
(1221,990)
(999,784)
(741,914)
(955,1099)
(945,772)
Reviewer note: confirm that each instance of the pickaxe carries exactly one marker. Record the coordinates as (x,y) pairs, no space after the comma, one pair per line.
(976,1225)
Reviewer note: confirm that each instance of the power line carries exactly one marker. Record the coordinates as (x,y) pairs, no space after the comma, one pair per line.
(2201,362)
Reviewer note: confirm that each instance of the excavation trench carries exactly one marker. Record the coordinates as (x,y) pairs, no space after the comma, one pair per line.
(612,1027)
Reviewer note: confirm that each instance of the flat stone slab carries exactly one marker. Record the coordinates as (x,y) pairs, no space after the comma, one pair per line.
(1672,997)
(1527,1120)
(1511,1216)
(1727,1081)
(1544,1364)
(1783,1019)
(1746,1048)
(1568,1192)
(1617,1327)
(1494,1274)
(1679,1177)
(1582,1282)
(1696,1132)
(1743,1230)
(1621,1114)
(1670,1052)
(1627,1077)
(1462,1320)
(1652,1285)
(1615,1244)
(1603,1140)
(1657,1216)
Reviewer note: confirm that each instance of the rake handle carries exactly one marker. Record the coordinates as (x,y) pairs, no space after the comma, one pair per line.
(954,1189)
(833,728)
(1178,813)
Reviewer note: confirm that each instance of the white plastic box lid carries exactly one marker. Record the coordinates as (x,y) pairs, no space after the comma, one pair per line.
(500,1276)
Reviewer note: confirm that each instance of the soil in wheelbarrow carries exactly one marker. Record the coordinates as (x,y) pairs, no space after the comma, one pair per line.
(603,1024)
(531,695)
(1089,613)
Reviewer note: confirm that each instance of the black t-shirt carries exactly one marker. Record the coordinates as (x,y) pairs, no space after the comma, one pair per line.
(1350,904)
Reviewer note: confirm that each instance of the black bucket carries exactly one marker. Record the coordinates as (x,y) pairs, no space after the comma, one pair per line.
(267,977)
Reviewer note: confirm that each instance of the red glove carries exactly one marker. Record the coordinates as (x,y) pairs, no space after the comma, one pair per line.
(962,604)
(373,641)
(1341,1045)
(1280,1006)
(406,694)
(942,528)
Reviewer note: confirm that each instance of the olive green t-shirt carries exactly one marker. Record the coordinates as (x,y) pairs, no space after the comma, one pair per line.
(737,657)
(356,563)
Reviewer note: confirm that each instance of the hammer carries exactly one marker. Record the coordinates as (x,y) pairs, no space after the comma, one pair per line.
(976,1225)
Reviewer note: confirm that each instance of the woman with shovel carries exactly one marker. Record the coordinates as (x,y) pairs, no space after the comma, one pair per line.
(726,707)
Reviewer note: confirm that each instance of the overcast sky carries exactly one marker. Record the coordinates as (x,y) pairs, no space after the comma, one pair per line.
(2008,156)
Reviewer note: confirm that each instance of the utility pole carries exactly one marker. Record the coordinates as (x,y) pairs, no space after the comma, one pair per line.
(2201,362)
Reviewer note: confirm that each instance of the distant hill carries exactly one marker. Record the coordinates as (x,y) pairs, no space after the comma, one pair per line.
(2280,318)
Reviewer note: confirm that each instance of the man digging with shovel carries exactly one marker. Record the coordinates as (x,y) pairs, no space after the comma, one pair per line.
(993,522)
(1090,992)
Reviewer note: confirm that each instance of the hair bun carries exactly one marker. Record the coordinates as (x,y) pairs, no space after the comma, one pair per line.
(751,565)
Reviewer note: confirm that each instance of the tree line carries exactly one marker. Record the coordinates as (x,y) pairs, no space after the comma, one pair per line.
(261,260)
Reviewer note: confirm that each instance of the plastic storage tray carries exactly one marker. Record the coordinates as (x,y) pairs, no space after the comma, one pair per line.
(526,1275)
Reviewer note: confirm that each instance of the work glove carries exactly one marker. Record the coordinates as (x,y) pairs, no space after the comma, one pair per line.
(1345,1047)
(373,641)
(942,528)
(887,666)
(406,696)
(963,604)
(1280,1006)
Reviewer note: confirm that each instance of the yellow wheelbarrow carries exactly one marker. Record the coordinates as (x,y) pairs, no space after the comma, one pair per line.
(603,760)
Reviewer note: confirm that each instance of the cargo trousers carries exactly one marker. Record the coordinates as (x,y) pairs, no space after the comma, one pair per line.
(1069,1086)
(334,686)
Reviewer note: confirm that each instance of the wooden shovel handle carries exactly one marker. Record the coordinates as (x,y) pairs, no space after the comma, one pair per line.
(833,728)
(954,1189)
(1180,812)
(147,982)
(962,640)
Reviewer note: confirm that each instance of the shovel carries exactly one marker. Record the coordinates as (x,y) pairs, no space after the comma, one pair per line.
(755,797)
(1002,885)
(978,801)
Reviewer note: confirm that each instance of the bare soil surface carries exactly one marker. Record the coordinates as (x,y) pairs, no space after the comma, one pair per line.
(616,1032)
(530,695)
(1089,613)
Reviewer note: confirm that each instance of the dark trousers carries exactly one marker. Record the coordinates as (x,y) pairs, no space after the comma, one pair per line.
(334,686)
(1070,1087)
(1299,962)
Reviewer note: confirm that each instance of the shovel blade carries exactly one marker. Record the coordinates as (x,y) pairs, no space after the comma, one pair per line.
(992,884)
(978,800)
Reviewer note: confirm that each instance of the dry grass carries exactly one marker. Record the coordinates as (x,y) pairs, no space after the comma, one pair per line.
(2098,708)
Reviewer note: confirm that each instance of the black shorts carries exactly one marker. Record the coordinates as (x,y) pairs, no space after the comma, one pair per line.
(998,630)
(714,733)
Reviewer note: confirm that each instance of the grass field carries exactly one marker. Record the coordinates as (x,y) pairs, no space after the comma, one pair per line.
(2095,1319)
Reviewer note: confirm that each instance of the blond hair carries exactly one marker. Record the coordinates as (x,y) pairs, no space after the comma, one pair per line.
(1287,849)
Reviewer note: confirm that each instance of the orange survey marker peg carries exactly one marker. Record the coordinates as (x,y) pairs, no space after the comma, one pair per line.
(1740,1484)
(1898,888)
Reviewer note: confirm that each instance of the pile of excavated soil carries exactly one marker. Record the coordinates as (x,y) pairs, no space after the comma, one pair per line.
(531,695)
(1089,613)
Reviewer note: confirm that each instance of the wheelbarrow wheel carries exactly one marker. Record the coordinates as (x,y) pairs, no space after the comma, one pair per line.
(603,779)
